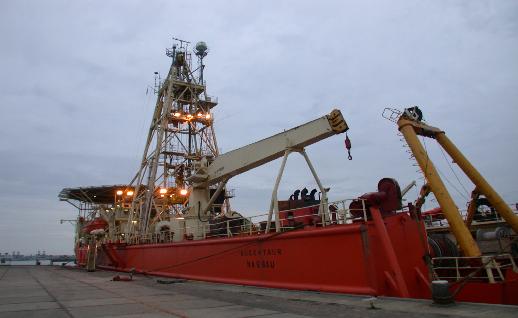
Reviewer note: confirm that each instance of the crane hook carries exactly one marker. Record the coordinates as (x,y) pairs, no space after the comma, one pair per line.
(348,146)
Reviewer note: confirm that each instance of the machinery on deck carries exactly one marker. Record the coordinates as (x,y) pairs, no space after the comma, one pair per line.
(220,169)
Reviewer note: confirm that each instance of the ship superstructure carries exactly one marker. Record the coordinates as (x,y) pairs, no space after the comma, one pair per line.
(181,133)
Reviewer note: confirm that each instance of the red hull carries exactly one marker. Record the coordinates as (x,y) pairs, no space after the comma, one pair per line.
(339,258)
(351,258)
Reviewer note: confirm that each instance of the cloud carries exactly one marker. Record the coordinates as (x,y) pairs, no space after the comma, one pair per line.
(74,77)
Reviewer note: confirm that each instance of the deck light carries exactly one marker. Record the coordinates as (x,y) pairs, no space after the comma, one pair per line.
(129,193)
(189,117)
(163,191)
(207,116)
(119,192)
(183,192)
(177,114)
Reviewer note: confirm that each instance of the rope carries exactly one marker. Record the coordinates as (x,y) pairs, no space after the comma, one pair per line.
(442,174)
(51,295)
(4,273)
(452,185)
(221,252)
(453,171)
(135,299)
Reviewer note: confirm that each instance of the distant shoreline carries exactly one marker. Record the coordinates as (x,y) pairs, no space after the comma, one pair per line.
(31,263)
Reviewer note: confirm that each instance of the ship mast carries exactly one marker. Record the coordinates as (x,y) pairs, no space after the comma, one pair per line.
(180,133)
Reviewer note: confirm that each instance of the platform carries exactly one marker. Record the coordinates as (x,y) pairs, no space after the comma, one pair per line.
(51,291)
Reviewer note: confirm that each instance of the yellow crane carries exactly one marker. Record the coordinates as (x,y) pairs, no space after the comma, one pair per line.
(410,125)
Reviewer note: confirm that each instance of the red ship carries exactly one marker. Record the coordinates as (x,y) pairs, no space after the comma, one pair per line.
(174,219)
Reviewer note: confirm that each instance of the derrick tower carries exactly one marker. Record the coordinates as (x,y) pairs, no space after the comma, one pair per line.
(180,133)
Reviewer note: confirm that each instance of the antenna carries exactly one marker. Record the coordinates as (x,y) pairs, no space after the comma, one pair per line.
(158,82)
(201,50)
(182,42)
(172,51)
(156,86)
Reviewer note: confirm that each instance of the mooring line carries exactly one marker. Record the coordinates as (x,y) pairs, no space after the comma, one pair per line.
(170,312)
(5,272)
(69,314)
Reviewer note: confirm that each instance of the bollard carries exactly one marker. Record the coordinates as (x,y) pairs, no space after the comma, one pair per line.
(440,293)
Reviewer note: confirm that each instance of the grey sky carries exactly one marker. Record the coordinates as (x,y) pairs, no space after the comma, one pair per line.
(74,110)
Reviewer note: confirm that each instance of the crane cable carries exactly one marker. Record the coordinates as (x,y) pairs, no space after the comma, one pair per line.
(443,175)
(453,171)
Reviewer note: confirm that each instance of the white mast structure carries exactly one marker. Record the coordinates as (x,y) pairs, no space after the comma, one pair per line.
(181,132)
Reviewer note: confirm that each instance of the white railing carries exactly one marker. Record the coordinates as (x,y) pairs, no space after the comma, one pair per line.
(488,268)
(431,222)
(338,213)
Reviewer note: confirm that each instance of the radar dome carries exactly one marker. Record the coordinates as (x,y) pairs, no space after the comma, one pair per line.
(201,48)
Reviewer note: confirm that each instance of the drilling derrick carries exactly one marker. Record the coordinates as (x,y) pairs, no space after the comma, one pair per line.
(181,132)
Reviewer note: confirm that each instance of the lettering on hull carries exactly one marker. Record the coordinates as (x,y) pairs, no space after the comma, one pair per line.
(263,258)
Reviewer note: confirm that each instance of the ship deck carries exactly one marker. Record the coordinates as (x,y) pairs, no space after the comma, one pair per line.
(50,291)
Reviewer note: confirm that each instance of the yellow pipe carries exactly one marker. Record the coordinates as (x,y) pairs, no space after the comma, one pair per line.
(450,211)
(482,185)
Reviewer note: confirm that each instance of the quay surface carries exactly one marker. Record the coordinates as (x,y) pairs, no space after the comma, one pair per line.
(51,291)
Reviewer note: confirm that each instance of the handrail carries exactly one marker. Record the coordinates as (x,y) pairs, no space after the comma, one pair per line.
(465,270)
(250,225)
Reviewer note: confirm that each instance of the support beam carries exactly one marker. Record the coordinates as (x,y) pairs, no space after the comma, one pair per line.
(323,202)
(220,188)
(274,204)
(458,228)
(390,253)
(482,185)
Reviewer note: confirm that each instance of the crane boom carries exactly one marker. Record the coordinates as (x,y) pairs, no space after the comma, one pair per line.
(208,173)
(261,152)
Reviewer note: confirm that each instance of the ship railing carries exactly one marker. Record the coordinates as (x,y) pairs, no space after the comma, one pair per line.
(134,239)
(491,216)
(339,214)
(486,268)
(233,226)
(151,238)
(209,98)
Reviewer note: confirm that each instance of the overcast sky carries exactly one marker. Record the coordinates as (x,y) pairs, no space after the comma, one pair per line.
(74,109)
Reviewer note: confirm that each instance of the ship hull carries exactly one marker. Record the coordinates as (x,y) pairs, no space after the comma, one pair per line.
(348,258)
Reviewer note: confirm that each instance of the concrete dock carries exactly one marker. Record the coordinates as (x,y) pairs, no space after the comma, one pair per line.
(50,291)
